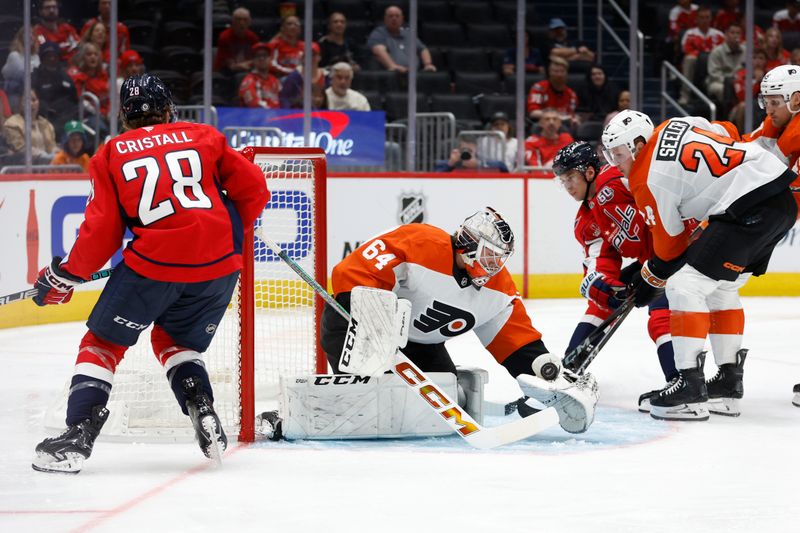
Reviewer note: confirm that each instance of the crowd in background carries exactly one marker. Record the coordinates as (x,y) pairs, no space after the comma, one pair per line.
(569,94)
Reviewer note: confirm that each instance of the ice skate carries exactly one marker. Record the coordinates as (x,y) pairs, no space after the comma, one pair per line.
(67,452)
(685,399)
(726,388)
(208,429)
(644,399)
(796,399)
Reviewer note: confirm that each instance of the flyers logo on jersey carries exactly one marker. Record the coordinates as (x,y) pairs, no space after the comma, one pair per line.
(450,321)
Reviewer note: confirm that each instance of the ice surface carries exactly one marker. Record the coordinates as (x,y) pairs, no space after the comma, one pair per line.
(628,473)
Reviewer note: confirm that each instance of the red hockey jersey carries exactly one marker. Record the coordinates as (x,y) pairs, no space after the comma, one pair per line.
(184,194)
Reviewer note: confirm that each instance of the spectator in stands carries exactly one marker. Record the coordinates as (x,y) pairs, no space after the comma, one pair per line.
(59,98)
(598,96)
(681,17)
(334,46)
(14,69)
(795,58)
(499,121)
(260,88)
(542,148)
(235,44)
(559,46)
(724,60)
(339,94)
(104,16)
(788,19)
(74,148)
(130,64)
(43,136)
(533,58)
(773,46)
(5,107)
(623,103)
(90,76)
(389,43)
(465,158)
(728,14)
(50,28)
(286,47)
(553,93)
(98,35)
(319,98)
(699,39)
(759,69)
(291,95)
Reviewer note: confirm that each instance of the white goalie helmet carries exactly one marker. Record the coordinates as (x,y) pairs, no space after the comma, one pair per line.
(780,81)
(485,242)
(623,130)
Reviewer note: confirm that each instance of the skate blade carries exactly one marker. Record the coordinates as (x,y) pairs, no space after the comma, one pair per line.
(796,400)
(216,447)
(724,406)
(689,412)
(44,462)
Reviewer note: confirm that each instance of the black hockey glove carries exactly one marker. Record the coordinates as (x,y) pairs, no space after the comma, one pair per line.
(627,273)
(648,283)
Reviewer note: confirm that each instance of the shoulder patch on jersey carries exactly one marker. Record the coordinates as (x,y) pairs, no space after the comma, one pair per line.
(667,148)
(450,321)
(605,195)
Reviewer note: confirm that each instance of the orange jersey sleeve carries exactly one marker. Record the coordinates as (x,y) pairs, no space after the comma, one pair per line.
(373,263)
(516,332)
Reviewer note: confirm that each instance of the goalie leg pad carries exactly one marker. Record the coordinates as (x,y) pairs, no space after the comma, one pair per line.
(378,327)
(573,397)
(471,381)
(359,407)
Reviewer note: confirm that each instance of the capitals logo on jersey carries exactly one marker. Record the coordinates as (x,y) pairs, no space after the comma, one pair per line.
(450,321)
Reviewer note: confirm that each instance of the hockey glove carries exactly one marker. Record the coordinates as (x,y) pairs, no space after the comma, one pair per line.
(629,271)
(54,285)
(646,286)
(606,292)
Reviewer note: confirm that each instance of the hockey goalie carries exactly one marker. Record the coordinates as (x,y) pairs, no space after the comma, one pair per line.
(411,289)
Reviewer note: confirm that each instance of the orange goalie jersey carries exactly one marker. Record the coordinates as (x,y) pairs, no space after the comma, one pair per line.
(416,262)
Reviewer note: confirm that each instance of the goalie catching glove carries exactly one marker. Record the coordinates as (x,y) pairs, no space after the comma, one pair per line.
(55,285)
(378,327)
(574,397)
(605,291)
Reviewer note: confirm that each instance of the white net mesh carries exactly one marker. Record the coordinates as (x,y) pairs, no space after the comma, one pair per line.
(142,404)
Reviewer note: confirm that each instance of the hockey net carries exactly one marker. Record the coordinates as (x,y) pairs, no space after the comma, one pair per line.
(270,329)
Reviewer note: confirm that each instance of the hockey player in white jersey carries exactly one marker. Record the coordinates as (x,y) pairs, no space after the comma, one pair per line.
(691,168)
(454,284)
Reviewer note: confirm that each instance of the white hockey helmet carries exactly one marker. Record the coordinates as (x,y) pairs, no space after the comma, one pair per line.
(623,130)
(485,242)
(780,81)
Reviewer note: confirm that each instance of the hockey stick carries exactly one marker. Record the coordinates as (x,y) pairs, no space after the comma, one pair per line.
(579,358)
(459,420)
(30,293)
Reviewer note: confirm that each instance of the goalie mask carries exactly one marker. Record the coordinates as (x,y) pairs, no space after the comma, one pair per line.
(485,242)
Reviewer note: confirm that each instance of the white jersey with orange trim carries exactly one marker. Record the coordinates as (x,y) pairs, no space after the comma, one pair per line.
(691,168)
(416,262)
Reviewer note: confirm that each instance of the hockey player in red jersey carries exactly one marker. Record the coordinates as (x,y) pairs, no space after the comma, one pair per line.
(609,228)
(187,198)
(690,168)
(455,284)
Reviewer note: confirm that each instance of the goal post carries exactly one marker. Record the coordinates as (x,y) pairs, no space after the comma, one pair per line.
(269,331)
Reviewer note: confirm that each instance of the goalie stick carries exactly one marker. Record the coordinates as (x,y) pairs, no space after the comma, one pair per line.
(30,293)
(458,419)
(579,358)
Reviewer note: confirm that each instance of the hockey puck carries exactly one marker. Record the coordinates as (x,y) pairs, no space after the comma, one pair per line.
(549,371)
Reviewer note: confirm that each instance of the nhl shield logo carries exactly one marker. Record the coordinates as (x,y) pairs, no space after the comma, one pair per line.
(412,208)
